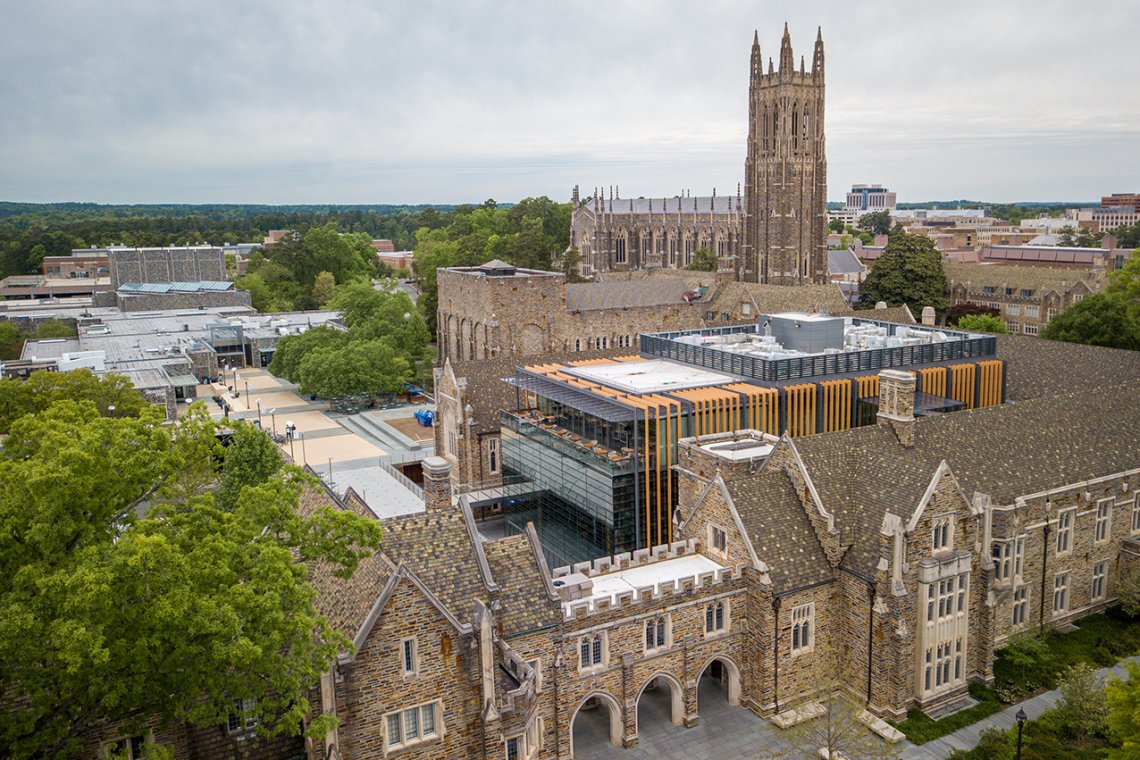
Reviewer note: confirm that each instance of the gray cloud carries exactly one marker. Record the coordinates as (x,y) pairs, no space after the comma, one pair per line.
(359,101)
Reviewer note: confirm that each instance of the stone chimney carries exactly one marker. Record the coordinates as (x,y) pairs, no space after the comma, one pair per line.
(928,315)
(896,404)
(437,483)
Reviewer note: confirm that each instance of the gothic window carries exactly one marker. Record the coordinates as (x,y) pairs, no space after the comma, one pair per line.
(803,628)
(1100,573)
(1065,531)
(1103,520)
(493,455)
(619,249)
(943,534)
(592,652)
(716,618)
(1021,605)
(1060,594)
(657,633)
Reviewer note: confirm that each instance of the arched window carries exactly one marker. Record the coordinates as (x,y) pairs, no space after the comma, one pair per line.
(578,345)
(619,249)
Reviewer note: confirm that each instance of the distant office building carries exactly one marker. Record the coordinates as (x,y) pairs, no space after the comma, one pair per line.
(869,198)
(1121,199)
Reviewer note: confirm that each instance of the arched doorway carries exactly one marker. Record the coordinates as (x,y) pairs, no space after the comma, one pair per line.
(720,678)
(661,698)
(596,722)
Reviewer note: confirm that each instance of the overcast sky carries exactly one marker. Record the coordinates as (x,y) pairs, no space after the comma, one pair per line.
(376,101)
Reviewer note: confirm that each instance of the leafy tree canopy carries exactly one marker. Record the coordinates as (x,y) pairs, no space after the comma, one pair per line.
(360,366)
(909,271)
(959,310)
(1099,319)
(704,260)
(876,222)
(1124,283)
(110,616)
(983,323)
(113,395)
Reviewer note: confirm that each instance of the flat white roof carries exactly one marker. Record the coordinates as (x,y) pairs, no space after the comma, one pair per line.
(745,448)
(651,574)
(652,376)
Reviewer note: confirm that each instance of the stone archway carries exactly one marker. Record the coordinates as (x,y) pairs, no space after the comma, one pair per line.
(676,698)
(593,701)
(727,674)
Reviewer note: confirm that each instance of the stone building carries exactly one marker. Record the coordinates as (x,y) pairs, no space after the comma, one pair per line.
(905,551)
(1027,296)
(785,173)
(496,309)
(624,234)
(775,234)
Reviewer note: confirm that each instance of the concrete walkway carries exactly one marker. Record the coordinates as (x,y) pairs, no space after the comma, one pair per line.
(967,738)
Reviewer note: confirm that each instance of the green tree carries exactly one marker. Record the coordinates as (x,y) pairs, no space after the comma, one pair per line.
(112,394)
(55,328)
(983,323)
(292,349)
(835,225)
(1083,706)
(383,311)
(569,263)
(1127,588)
(1124,713)
(704,260)
(362,366)
(11,342)
(1027,649)
(1124,283)
(251,458)
(959,310)
(112,616)
(909,271)
(876,222)
(1097,320)
(1067,237)
(324,288)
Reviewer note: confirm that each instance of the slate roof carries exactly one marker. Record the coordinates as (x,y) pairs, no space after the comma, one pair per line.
(1007,451)
(345,603)
(487,391)
(1038,279)
(1037,367)
(844,261)
(900,314)
(780,530)
(770,299)
(437,548)
(526,605)
(625,294)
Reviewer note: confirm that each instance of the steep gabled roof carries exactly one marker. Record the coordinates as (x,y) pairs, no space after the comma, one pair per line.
(1038,367)
(345,603)
(437,547)
(526,604)
(779,529)
(1006,452)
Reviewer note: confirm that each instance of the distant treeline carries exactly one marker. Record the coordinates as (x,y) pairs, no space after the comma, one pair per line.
(31,231)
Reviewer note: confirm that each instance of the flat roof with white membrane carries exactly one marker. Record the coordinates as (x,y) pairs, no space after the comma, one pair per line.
(651,574)
(651,376)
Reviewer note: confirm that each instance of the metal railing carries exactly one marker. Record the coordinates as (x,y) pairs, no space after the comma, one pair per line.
(402,479)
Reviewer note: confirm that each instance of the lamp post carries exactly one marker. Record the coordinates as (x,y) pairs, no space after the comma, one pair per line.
(304,458)
(289,428)
(246,391)
(1021,718)
(259,407)
(273,420)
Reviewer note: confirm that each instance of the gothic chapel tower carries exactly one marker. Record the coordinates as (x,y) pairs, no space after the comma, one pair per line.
(785,174)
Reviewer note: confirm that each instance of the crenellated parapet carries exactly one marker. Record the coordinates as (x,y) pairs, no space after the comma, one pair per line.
(581,600)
